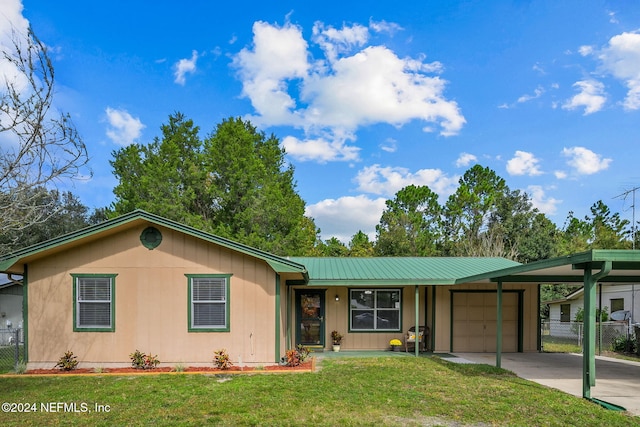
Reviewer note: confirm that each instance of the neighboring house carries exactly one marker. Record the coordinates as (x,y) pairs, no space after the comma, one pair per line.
(143,282)
(613,297)
(10,307)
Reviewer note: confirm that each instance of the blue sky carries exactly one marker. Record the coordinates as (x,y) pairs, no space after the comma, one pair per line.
(366,97)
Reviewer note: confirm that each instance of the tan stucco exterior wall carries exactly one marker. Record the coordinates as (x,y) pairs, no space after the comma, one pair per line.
(151,302)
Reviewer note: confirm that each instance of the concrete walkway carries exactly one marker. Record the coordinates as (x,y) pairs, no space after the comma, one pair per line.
(617,381)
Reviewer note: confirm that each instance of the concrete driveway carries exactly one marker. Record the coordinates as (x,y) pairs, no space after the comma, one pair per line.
(617,381)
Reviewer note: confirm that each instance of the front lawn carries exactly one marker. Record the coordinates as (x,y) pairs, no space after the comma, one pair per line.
(350,391)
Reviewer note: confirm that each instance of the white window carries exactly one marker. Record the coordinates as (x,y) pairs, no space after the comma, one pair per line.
(94,303)
(375,309)
(208,303)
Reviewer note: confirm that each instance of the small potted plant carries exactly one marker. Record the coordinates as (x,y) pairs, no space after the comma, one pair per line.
(336,338)
(395,344)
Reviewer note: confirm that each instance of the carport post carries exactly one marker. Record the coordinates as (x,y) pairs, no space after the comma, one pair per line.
(417,299)
(499,327)
(589,342)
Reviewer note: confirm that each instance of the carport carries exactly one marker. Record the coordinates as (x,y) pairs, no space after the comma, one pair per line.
(588,268)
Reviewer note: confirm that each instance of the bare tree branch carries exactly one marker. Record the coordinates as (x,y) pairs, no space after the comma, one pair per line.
(39,147)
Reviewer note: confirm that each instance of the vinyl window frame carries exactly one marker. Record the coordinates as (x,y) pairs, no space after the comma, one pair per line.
(226,279)
(77,281)
(375,309)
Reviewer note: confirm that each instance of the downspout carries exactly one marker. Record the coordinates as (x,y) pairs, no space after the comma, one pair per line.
(588,352)
(499,327)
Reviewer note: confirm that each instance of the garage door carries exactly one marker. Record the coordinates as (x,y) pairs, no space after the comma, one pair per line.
(474,322)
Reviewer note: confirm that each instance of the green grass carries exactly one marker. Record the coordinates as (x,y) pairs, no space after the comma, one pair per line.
(7,358)
(560,345)
(346,392)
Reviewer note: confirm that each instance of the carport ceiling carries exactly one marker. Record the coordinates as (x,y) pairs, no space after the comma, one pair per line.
(568,269)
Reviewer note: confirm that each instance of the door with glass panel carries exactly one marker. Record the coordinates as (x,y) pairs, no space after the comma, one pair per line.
(310,318)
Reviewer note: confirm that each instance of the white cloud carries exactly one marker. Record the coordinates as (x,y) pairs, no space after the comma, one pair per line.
(184,67)
(537,93)
(465,159)
(547,205)
(585,161)
(388,180)
(591,97)
(390,145)
(560,174)
(523,163)
(621,58)
(334,42)
(123,128)
(384,26)
(13,27)
(354,85)
(585,50)
(343,217)
(320,149)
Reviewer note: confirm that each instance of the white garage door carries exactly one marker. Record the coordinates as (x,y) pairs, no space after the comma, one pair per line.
(474,322)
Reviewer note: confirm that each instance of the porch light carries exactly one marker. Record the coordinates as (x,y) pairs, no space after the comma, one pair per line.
(337,297)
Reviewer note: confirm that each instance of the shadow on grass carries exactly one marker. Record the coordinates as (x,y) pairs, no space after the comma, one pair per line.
(472,369)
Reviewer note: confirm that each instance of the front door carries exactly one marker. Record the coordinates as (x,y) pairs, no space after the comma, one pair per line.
(310,318)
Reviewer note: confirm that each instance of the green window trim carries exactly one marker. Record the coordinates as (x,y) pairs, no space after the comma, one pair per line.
(375,311)
(77,282)
(223,300)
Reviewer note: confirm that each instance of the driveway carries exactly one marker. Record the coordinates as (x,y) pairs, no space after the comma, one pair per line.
(617,381)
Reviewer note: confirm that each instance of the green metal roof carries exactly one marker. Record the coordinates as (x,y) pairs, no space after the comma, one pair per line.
(396,270)
(568,269)
(279,264)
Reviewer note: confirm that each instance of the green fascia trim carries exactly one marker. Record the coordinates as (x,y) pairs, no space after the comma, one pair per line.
(279,264)
(381,282)
(627,259)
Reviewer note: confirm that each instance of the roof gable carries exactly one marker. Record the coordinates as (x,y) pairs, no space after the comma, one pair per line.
(10,261)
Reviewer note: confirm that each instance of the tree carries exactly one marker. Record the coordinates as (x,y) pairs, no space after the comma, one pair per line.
(68,215)
(166,177)
(360,245)
(234,184)
(609,231)
(469,209)
(253,191)
(39,147)
(411,224)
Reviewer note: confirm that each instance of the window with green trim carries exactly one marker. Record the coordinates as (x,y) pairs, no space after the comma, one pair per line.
(375,309)
(94,303)
(208,303)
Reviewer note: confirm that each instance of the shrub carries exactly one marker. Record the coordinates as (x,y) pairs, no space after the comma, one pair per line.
(296,356)
(293,357)
(140,360)
(21,367)
(67,362)
(303,352)
(623,344)
(222,360)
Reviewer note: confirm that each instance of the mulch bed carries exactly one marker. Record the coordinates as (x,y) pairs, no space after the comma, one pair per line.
(306,366)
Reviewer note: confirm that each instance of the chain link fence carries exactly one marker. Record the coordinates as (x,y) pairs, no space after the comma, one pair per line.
(11,348)
(571,334)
